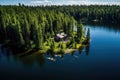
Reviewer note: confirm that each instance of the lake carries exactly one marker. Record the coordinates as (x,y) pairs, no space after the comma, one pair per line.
(98,61)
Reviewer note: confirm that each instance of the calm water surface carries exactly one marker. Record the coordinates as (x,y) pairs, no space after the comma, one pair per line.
(99,61)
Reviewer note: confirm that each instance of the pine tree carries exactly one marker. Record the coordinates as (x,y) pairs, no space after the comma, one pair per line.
(88,35)
(80,31)
(26,33)
(19,34)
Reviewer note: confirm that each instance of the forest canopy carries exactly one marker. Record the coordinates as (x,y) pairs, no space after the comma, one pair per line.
(25,26)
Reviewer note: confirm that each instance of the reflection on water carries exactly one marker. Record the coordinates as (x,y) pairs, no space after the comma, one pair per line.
(5,52)
(109,27)
(100,59)
(29,59)
(87,49)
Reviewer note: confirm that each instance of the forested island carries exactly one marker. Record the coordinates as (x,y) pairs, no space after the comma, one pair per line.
(52,28)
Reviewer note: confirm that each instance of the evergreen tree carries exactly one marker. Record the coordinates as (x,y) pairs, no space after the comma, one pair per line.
(20,36)
(88,33)
(26,33)
(80,31)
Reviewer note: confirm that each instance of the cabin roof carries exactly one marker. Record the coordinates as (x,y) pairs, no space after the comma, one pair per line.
(61,35)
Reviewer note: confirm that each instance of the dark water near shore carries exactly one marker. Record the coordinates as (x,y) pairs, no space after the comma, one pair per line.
(99,61)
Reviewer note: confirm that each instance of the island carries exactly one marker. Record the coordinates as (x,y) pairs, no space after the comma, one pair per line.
(30,28)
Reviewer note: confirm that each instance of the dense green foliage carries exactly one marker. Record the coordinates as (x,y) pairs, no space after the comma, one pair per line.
(26,27)
(34,27)
(91,13)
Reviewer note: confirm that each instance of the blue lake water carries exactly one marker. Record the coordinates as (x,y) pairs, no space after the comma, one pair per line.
(99,61)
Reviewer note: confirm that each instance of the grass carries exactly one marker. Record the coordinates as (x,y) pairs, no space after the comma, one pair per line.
(59,47)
